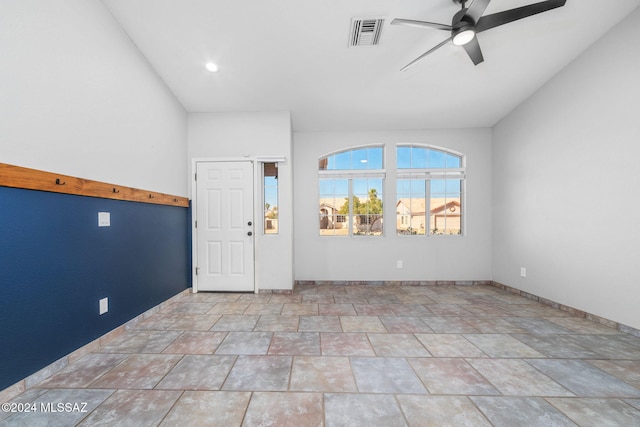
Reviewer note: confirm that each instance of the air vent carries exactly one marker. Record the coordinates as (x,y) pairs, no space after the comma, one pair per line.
(365,31)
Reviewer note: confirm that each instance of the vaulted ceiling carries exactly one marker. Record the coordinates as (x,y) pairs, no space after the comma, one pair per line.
(294,55)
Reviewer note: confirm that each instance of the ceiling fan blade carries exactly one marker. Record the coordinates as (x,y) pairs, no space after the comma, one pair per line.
(421,24)
(412,63)
(477,8)
(474,51)
(490,21)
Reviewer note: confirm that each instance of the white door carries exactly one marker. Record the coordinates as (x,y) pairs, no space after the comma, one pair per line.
(224,227)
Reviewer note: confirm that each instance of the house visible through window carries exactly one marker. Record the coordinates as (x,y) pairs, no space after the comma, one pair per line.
(430,188)
(351,192)
(270,197)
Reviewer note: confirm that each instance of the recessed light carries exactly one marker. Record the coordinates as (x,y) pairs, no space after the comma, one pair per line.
(210,66)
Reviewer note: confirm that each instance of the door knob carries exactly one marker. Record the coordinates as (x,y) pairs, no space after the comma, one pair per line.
(249,234)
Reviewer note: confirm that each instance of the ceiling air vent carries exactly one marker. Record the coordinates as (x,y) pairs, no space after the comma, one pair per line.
(365,31)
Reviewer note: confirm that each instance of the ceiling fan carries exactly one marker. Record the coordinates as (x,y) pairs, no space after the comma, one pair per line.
(468,22)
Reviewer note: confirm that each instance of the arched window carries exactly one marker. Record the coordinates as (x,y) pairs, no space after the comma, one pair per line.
(430,190)
(351,192)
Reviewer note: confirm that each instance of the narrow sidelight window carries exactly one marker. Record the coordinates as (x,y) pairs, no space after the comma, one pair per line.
(270,197)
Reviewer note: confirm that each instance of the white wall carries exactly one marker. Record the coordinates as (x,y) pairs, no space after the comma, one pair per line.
(374,258)
(565,183)
(237,135)
(78,98)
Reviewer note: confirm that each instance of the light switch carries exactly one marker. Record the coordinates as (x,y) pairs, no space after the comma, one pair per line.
(104,305)
(104,219)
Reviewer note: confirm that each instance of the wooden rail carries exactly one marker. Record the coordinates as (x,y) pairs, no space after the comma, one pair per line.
(32,179)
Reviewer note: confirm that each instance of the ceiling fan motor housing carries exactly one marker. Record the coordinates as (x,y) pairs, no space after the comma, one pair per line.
(463,27)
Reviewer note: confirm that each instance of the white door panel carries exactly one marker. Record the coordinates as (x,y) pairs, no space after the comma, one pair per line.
(224,232)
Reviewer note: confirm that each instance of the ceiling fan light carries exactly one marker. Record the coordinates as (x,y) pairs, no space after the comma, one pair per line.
(463,37)
(211,67)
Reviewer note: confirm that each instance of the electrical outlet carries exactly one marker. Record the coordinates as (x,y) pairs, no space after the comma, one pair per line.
(399,263)
(104,219)
(523,272)
(104,305)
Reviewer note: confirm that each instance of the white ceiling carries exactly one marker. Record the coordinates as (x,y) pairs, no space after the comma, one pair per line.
(293,55)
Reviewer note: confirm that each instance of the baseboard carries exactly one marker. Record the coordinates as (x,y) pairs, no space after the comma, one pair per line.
(391,282)
(574,311)
(276,291)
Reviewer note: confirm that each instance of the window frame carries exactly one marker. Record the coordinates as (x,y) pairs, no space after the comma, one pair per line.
(428,175)
(350,175)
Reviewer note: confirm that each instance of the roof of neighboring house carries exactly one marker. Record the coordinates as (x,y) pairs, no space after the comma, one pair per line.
(332,203)
(418,205)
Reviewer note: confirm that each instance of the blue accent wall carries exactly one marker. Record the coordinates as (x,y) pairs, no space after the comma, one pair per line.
(56,264)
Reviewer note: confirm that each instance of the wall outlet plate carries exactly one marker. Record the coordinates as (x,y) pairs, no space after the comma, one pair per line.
(523,272)
(104,305)
(104,219)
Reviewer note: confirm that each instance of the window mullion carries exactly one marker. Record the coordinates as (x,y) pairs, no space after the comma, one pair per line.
(427,204)
(351,217)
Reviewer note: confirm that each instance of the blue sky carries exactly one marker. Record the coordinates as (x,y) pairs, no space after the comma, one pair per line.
(408,156)
(271,190)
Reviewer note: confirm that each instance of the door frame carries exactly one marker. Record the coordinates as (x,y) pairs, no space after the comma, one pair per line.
(257,207)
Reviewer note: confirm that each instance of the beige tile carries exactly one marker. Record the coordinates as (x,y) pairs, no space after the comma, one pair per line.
(198,372)
(229,308)
(133,408)
(521,411)
(194,322)
(295,344)
(263,308)
(336,309)
(597,412)
(345,344)
(141,342)
(626,370)
(275,323)
(285,410)
(138,371)
(45,409)
(449,345)
(325,374)
(196,342)
(436,411)
(362,409)
(451,376)
(320,324)
(515,377)
(362,324)
(300,309)
(259,373)
(385,375)
(397,345)
(83,372)
(502,345)
(208,408)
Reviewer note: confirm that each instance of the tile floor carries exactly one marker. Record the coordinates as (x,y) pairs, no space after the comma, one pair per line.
(350,356)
